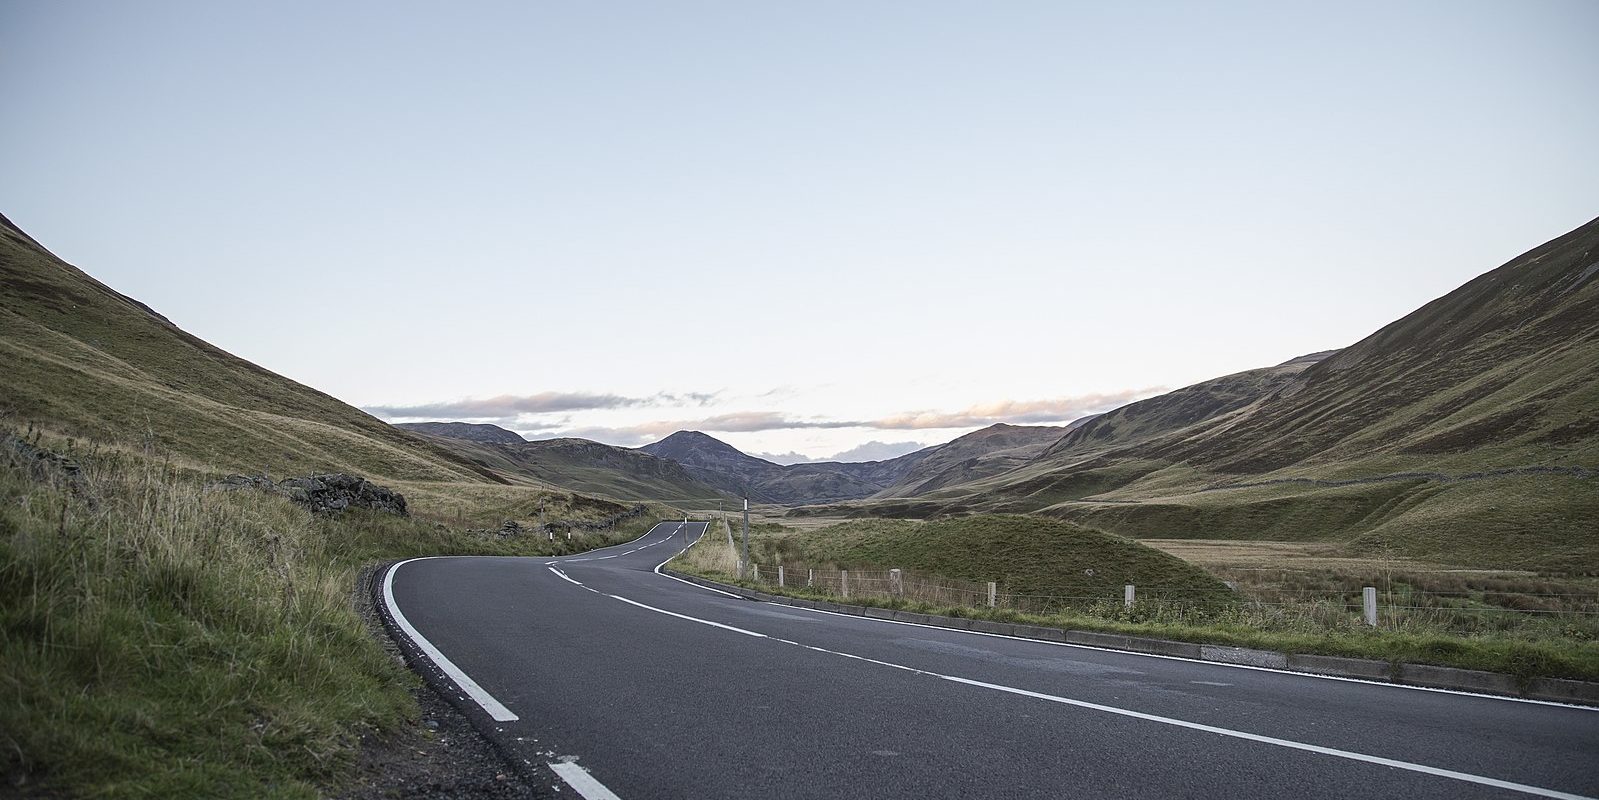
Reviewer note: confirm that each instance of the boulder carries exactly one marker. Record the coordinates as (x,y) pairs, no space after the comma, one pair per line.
(324,494)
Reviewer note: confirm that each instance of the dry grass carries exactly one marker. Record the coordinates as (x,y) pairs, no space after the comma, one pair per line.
(162,639)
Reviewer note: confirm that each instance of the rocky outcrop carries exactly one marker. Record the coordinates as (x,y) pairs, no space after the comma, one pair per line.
(325,494)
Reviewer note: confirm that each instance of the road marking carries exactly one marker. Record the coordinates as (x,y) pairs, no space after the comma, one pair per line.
(1210,683)
(684,616)
(580,779)
(499,712)
(1126,712)
(658,571)
(1317,676)
(623,544)
(564,577)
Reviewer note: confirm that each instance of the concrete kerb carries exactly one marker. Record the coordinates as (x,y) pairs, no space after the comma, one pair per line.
(1553,689)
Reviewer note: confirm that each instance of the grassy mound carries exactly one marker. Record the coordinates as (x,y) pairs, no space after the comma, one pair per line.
(1028,555)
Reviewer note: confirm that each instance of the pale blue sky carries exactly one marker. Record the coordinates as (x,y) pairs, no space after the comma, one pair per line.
(888,221)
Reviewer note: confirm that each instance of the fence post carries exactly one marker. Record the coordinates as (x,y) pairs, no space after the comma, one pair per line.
(1370,598)
(843,582)
(810,578)
(755,570)
(779,575)
(896,583)
(1127,595)
(993,592)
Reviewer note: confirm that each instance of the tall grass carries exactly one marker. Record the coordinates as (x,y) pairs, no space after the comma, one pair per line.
(1527,628)
(160,639)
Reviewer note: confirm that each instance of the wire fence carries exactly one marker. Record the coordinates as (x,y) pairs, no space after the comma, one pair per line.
(1465,611)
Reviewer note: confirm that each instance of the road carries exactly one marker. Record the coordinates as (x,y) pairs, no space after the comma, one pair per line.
(604,676)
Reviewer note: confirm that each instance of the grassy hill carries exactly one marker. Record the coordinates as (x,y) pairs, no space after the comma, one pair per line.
(1468,431)
(166,639)
(725,467)
(94,364)
(575,464)
(993,450)
(1028,555)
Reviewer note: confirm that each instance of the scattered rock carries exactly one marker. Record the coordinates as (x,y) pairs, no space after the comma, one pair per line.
(507,529)
(324,494)
(41,462)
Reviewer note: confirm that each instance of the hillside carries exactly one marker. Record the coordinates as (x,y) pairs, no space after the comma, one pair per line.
(166,637)
(467,431)
(730,470)
(576,464)
(986,452)
(1468,431)
(1176,410)
(86,360)
(993,450)
(1025,554)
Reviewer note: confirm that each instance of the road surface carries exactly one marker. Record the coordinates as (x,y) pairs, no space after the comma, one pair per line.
(609,679)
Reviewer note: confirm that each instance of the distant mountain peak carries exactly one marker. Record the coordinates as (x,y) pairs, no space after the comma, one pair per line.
(469,431)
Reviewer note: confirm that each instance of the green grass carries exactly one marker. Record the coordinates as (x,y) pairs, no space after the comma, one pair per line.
(161,639)
(1028,555)
(1544,522)
(1524,646)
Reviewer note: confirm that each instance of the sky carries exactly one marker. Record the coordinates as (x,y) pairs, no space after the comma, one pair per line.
(805,228)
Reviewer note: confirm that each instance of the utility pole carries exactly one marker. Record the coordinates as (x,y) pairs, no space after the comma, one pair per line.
(744,565)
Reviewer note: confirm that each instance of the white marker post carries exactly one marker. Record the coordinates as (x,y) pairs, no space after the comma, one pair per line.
(1127,595)
(993,592)
(1369,595)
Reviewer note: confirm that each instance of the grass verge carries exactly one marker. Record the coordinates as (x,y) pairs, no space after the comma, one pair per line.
(1240,624)
(162,639)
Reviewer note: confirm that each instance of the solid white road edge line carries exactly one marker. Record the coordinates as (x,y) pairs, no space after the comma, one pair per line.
(658,571)
(1466,777)
(499,712)
(624,544)
(1317,676)
(1296,673)
(580,779)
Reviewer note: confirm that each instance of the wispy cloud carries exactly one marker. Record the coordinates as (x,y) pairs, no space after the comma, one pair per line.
(1024,412)
(871,451)
(1060,409)
(509,407)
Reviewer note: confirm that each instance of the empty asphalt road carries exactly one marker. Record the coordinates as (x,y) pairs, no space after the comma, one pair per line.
(609,679)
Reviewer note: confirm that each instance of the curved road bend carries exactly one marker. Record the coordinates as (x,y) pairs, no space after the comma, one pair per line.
(631,684)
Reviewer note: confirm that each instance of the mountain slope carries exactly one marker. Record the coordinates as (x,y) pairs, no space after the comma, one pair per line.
(1467,431)
(83,358)
(575,464)
(1176,410)
(464,430)
(725,467)
(993,450)
(1499,372)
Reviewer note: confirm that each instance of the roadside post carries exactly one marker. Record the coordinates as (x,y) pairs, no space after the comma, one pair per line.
(1369,596)
(746,557)
(1127,595)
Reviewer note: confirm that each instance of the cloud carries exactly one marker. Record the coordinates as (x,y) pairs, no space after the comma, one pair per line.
(1062,409)
(510,407)
(871,451)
